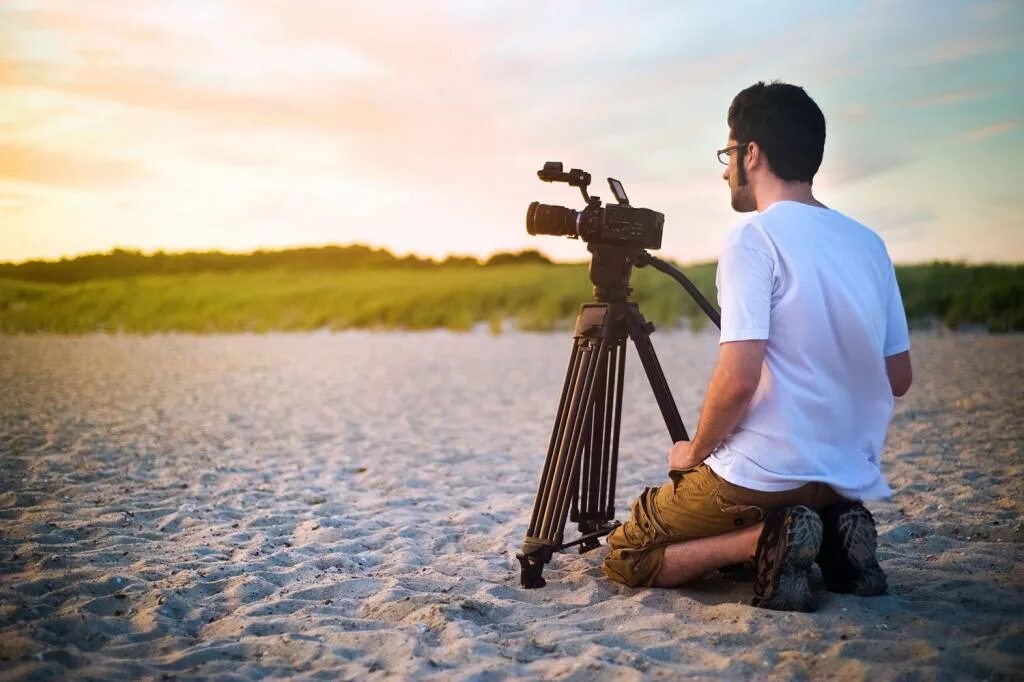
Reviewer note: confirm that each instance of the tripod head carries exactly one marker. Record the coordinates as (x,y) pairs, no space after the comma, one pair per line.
(610,270)
(612,266)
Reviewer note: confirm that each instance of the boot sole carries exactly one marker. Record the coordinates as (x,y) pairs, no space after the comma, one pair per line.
(857,542)
(790,589)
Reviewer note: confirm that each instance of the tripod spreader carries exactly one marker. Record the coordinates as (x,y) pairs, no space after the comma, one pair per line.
(582,459)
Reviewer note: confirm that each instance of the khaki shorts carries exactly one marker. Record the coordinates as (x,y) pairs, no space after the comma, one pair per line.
(696,503)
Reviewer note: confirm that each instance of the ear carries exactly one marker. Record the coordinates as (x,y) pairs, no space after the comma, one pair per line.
(753,158)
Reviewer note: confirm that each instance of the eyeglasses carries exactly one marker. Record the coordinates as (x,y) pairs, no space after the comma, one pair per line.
(723,154)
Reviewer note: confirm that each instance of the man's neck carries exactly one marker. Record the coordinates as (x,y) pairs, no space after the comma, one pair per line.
(780,190)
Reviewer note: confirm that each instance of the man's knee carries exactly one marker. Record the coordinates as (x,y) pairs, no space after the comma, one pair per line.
(643,527)
(634,567)
(684,509)
(637,549)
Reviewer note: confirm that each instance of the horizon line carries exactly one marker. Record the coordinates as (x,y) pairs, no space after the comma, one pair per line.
(413,254)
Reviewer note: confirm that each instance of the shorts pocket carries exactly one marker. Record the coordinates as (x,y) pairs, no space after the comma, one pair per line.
(643,528)
(698,481)
(677,475)
(742,514)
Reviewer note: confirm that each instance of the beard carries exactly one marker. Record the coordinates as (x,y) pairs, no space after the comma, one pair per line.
(741,196)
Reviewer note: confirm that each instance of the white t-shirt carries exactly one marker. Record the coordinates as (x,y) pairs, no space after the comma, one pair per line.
(821,289)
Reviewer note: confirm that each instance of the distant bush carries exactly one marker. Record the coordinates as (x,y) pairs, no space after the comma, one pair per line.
(460,260)
(508,258)
(127,263)
(958,294)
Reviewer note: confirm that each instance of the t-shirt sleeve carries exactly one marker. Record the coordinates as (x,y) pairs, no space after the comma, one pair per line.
(745,280)
(897,337)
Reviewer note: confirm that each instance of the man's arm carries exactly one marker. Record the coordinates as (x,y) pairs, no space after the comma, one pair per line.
(732,385)
(899,371)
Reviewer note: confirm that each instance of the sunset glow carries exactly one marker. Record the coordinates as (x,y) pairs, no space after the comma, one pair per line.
(419,126)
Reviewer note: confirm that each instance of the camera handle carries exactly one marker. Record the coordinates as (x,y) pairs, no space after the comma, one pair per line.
(552,172)
(645,258)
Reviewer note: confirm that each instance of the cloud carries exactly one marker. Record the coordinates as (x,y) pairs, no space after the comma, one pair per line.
(852,166)
(900,223)
(951,97)
(234,69)
(854,112)
(335,107)
(348,117)
(384,90)
(967,46)
(21,163)
(985,132)
(12,201)
(992,10)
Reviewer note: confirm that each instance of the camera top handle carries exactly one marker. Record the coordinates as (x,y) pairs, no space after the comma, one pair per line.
(552,172)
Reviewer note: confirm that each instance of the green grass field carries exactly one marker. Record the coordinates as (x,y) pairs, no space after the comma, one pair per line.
(421,295)
(533,297)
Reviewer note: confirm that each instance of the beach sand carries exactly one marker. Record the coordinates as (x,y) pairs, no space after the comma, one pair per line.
(348,506)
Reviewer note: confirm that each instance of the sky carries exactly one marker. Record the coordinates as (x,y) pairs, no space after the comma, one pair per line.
(419,126)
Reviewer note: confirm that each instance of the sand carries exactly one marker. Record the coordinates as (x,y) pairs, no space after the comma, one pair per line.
(347,506)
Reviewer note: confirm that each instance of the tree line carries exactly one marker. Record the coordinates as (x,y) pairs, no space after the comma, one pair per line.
(132,263)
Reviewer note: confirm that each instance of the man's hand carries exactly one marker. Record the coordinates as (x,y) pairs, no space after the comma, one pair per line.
(682,456)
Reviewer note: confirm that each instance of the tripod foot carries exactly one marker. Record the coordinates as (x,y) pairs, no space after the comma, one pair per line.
(530,572)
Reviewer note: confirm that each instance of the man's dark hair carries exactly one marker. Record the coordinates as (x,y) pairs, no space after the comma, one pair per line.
(785,122)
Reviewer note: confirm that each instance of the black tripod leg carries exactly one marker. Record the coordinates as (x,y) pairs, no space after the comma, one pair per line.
(612,428)
(560,478)
(600,457)
(588,504)
(640,330)
(540,502)
(592,461)
(566,471)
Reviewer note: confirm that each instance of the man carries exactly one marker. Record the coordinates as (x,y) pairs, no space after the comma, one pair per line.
(814,346)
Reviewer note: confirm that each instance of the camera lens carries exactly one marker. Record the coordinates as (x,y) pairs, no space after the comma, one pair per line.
(548,219)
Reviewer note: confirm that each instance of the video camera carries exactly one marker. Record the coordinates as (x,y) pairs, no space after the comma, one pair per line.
(615,225)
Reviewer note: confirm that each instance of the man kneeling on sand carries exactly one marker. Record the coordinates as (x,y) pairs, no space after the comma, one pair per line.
(814,346)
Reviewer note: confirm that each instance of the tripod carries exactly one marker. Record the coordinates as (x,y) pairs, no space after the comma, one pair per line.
(578,479)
